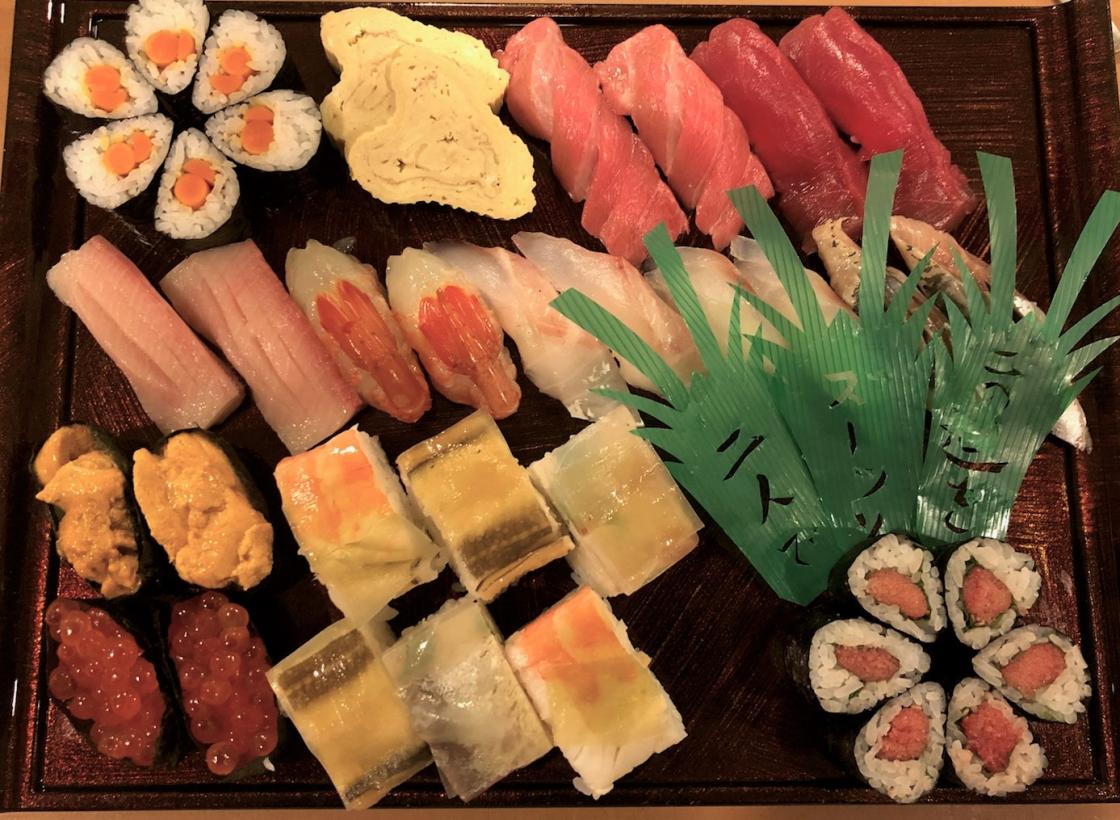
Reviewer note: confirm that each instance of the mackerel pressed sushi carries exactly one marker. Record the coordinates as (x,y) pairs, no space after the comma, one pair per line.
(1039,669)
(115,162)
(198,190)
(898,583)
(991,748)
(241,57)
(93,78)
(164,38)
(900,750)
(854,664)
(273,131)
(988,584)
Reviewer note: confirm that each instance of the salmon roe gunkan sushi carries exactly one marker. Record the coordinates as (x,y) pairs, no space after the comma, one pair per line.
(102,677)
(222,667)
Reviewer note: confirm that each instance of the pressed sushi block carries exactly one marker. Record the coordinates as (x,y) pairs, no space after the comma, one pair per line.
(464,700)
(336,692)
(481,506)
(629,519)
(607,712)
(355,525)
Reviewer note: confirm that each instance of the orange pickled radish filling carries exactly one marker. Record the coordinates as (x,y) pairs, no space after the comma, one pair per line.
(103,83)
(195,182)
(122,157)
(257,133)
(233,70)
(165,47)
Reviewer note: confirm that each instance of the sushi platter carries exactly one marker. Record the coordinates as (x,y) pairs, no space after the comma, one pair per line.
(372,405)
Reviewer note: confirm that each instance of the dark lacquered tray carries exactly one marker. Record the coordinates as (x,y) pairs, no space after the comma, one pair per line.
(1036,85)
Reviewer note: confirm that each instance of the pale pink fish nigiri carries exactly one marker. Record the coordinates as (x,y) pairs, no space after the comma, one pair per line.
(756,272)
(618,287)
(457,336)
(559,357)
(346,305)
(232,297)
(178,381)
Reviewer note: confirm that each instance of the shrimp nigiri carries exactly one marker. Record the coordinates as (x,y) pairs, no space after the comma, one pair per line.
(459,339)
(618,287)
(344,301)
(560,358)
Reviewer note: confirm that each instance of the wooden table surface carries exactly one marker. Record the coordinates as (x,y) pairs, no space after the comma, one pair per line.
(987,812)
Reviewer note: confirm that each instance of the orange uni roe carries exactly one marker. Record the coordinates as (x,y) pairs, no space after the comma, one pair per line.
(233,70)
(103,84)
(195,182)
(165,47)
(257,133)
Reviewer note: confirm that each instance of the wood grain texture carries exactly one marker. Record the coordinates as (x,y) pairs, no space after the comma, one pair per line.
(1000,80)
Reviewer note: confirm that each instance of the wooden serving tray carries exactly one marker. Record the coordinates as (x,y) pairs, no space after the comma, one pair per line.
(1033,84)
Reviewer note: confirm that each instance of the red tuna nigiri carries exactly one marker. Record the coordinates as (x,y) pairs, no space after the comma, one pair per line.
(817,175)
(178,381)
(232,297)
(554,94)
(698,142)
(868,97)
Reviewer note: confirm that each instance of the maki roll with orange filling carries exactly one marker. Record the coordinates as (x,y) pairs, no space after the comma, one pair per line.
(273,131)
(92,78)
(897,582)
(899,751)
(241,57)
(114,163)
(988,585)
(164,37)
(198,190)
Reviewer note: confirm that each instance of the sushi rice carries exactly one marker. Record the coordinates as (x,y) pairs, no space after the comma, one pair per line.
(1062,700)
(180,221)
(266,52)
(296,127)
(64,81)
(913,562)
(1013,568)
(86,166)
(1026,762)
(151,17)
(904,781)
(838,690)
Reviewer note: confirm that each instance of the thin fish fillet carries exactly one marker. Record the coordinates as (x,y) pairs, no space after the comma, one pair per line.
(232,297)
(554,94)
(868,97)
(179,382)
(816,174)
(681,117)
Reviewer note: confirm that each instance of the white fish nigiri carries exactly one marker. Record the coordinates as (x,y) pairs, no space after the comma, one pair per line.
(756,272)
(457,336)
(618,287)
(559,357)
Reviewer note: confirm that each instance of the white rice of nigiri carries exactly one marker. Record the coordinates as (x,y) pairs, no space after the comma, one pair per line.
(86,169)
(148,17)
(266,56)
(64,80)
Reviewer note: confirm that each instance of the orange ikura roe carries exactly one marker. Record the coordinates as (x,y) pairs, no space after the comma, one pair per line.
(195,182)
(221,668)
(102,677)
(165,47)
(103,83)
(257,133)
(233,70)
(122,157)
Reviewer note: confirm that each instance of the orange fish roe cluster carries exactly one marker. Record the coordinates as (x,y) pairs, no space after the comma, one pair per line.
(101,676)
(221,668)
(233,70)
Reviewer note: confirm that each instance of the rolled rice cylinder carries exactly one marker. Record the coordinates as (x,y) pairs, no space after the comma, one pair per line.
(1039,669)
(198,190)
(93,78)
(115,162)
(898,583)
(163,38)
(900,750)
(241,58)
(991,748)
(273,131)
(987,585)
(854,664)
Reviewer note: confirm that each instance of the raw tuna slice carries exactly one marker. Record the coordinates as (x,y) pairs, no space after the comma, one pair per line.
(868,97)
(698,142)
(554,95)
(178,381)
(232,297)
(816,174)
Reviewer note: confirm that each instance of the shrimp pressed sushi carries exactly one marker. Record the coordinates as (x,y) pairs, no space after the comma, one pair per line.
(629,520)
(231,296)
(464,699)
(988,584)
(481,506)
(900,750)
(607,712)
(560,358)
(354,524)
(1039,669)
(330,688)
(92,78)
(115,162)
(897,582)
(273,131)
(178,381)
(240,58)
(164,37)
(198,189)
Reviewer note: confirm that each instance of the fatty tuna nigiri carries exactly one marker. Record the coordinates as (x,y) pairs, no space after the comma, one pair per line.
(346,305)
(459,339)
(560,358)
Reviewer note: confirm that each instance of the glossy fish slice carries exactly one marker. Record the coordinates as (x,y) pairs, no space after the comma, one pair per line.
(346,305)
(459,339)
